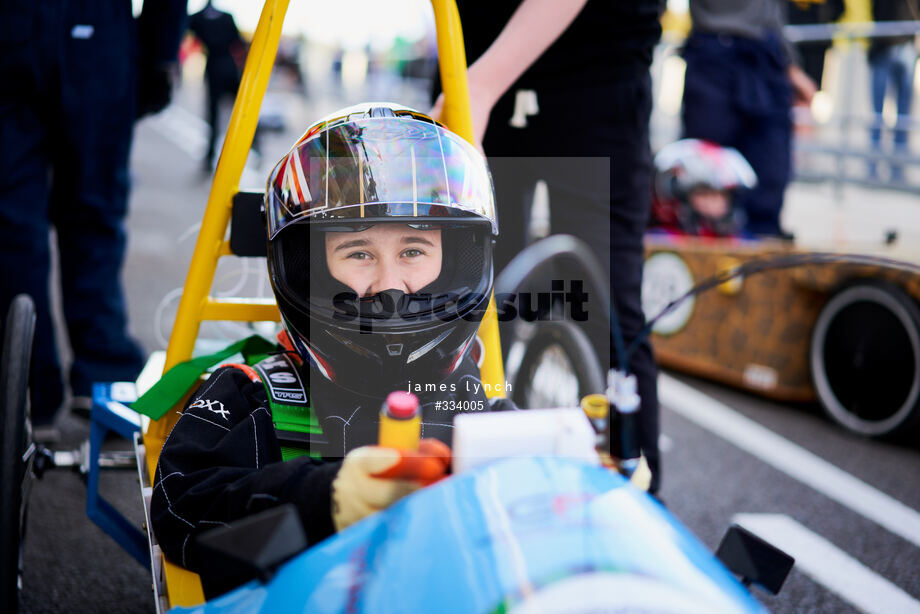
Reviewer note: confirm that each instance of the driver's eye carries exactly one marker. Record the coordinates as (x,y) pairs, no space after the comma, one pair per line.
(359,255)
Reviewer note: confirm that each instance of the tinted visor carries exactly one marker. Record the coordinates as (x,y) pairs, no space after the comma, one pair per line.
(379,168)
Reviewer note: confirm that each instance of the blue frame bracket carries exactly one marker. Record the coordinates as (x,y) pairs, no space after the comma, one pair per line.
(111,414)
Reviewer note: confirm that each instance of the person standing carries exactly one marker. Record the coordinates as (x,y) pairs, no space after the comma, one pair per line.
(738,91)
(566,84)
(76,75)
(218,33)
(893,59)
(811,12)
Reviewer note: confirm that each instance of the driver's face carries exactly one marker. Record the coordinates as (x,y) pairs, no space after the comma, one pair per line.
(384,257)
(710,203)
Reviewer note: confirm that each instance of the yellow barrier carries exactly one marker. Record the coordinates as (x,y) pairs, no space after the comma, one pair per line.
(457,116)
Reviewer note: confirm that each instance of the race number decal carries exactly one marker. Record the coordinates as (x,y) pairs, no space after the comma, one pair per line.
(666,277)
(283,381)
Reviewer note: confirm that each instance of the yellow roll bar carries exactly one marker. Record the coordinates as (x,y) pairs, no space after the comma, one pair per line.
(196,304)
(457,117)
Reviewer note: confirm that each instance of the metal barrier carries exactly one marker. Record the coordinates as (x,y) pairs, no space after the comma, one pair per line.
(832,140)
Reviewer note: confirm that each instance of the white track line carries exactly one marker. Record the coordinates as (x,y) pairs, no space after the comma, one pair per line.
(183,129)
(830,566)
(189,133)
(794,461)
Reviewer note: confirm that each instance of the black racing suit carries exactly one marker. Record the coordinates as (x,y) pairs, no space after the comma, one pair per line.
(222,461)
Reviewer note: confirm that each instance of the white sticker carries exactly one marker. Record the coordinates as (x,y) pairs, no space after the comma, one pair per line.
(760,377)
(525,103)
(124,392)
(666,277)
(82,31)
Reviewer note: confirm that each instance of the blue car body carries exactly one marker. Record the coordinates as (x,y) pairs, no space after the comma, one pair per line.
(519,535)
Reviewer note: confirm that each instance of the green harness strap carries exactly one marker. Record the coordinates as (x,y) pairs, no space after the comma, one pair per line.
(175,383)
(295,422)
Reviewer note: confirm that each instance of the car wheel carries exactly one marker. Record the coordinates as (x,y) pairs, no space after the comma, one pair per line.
(14,399)
(559,366)
(865,359)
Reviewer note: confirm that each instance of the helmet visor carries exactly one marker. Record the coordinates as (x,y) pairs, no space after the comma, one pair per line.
(379,167)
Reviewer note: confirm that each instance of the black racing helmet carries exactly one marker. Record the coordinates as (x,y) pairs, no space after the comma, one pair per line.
(371,164)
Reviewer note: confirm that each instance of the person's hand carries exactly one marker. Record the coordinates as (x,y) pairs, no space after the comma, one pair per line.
(803,87)
(437,111)
(372,478)
(154,88)
(482,99)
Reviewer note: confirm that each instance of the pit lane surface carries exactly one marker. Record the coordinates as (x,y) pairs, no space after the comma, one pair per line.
(72,566)
(711,479)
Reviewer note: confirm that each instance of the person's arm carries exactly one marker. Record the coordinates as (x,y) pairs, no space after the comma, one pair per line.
(535,25)
(221,462)
(159,31)
(803,87)
(238,48)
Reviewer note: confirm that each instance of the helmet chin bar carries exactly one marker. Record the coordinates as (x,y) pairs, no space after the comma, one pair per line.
(395,306)
(377,375)
(372,359)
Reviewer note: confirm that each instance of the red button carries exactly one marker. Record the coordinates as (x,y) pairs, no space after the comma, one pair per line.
(402,404)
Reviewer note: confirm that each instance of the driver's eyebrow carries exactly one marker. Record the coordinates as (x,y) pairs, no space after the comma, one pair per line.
(414,239)
(350,244)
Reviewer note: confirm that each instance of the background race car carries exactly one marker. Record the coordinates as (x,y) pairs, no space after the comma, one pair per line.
(792,325)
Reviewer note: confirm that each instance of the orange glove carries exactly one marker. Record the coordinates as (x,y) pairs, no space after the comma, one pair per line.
(426,466)
(372,478)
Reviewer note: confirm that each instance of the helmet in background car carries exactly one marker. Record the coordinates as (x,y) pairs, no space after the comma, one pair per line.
(688,174)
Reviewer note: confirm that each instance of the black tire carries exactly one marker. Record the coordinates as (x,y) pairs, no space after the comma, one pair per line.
(559,366)
(865,359)
(14,406)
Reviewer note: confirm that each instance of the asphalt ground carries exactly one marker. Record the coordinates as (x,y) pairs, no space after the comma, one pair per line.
(70,565)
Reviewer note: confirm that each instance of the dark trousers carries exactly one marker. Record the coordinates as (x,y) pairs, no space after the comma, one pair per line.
(737,94)
(590,144)
(222,80)
(66,115)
